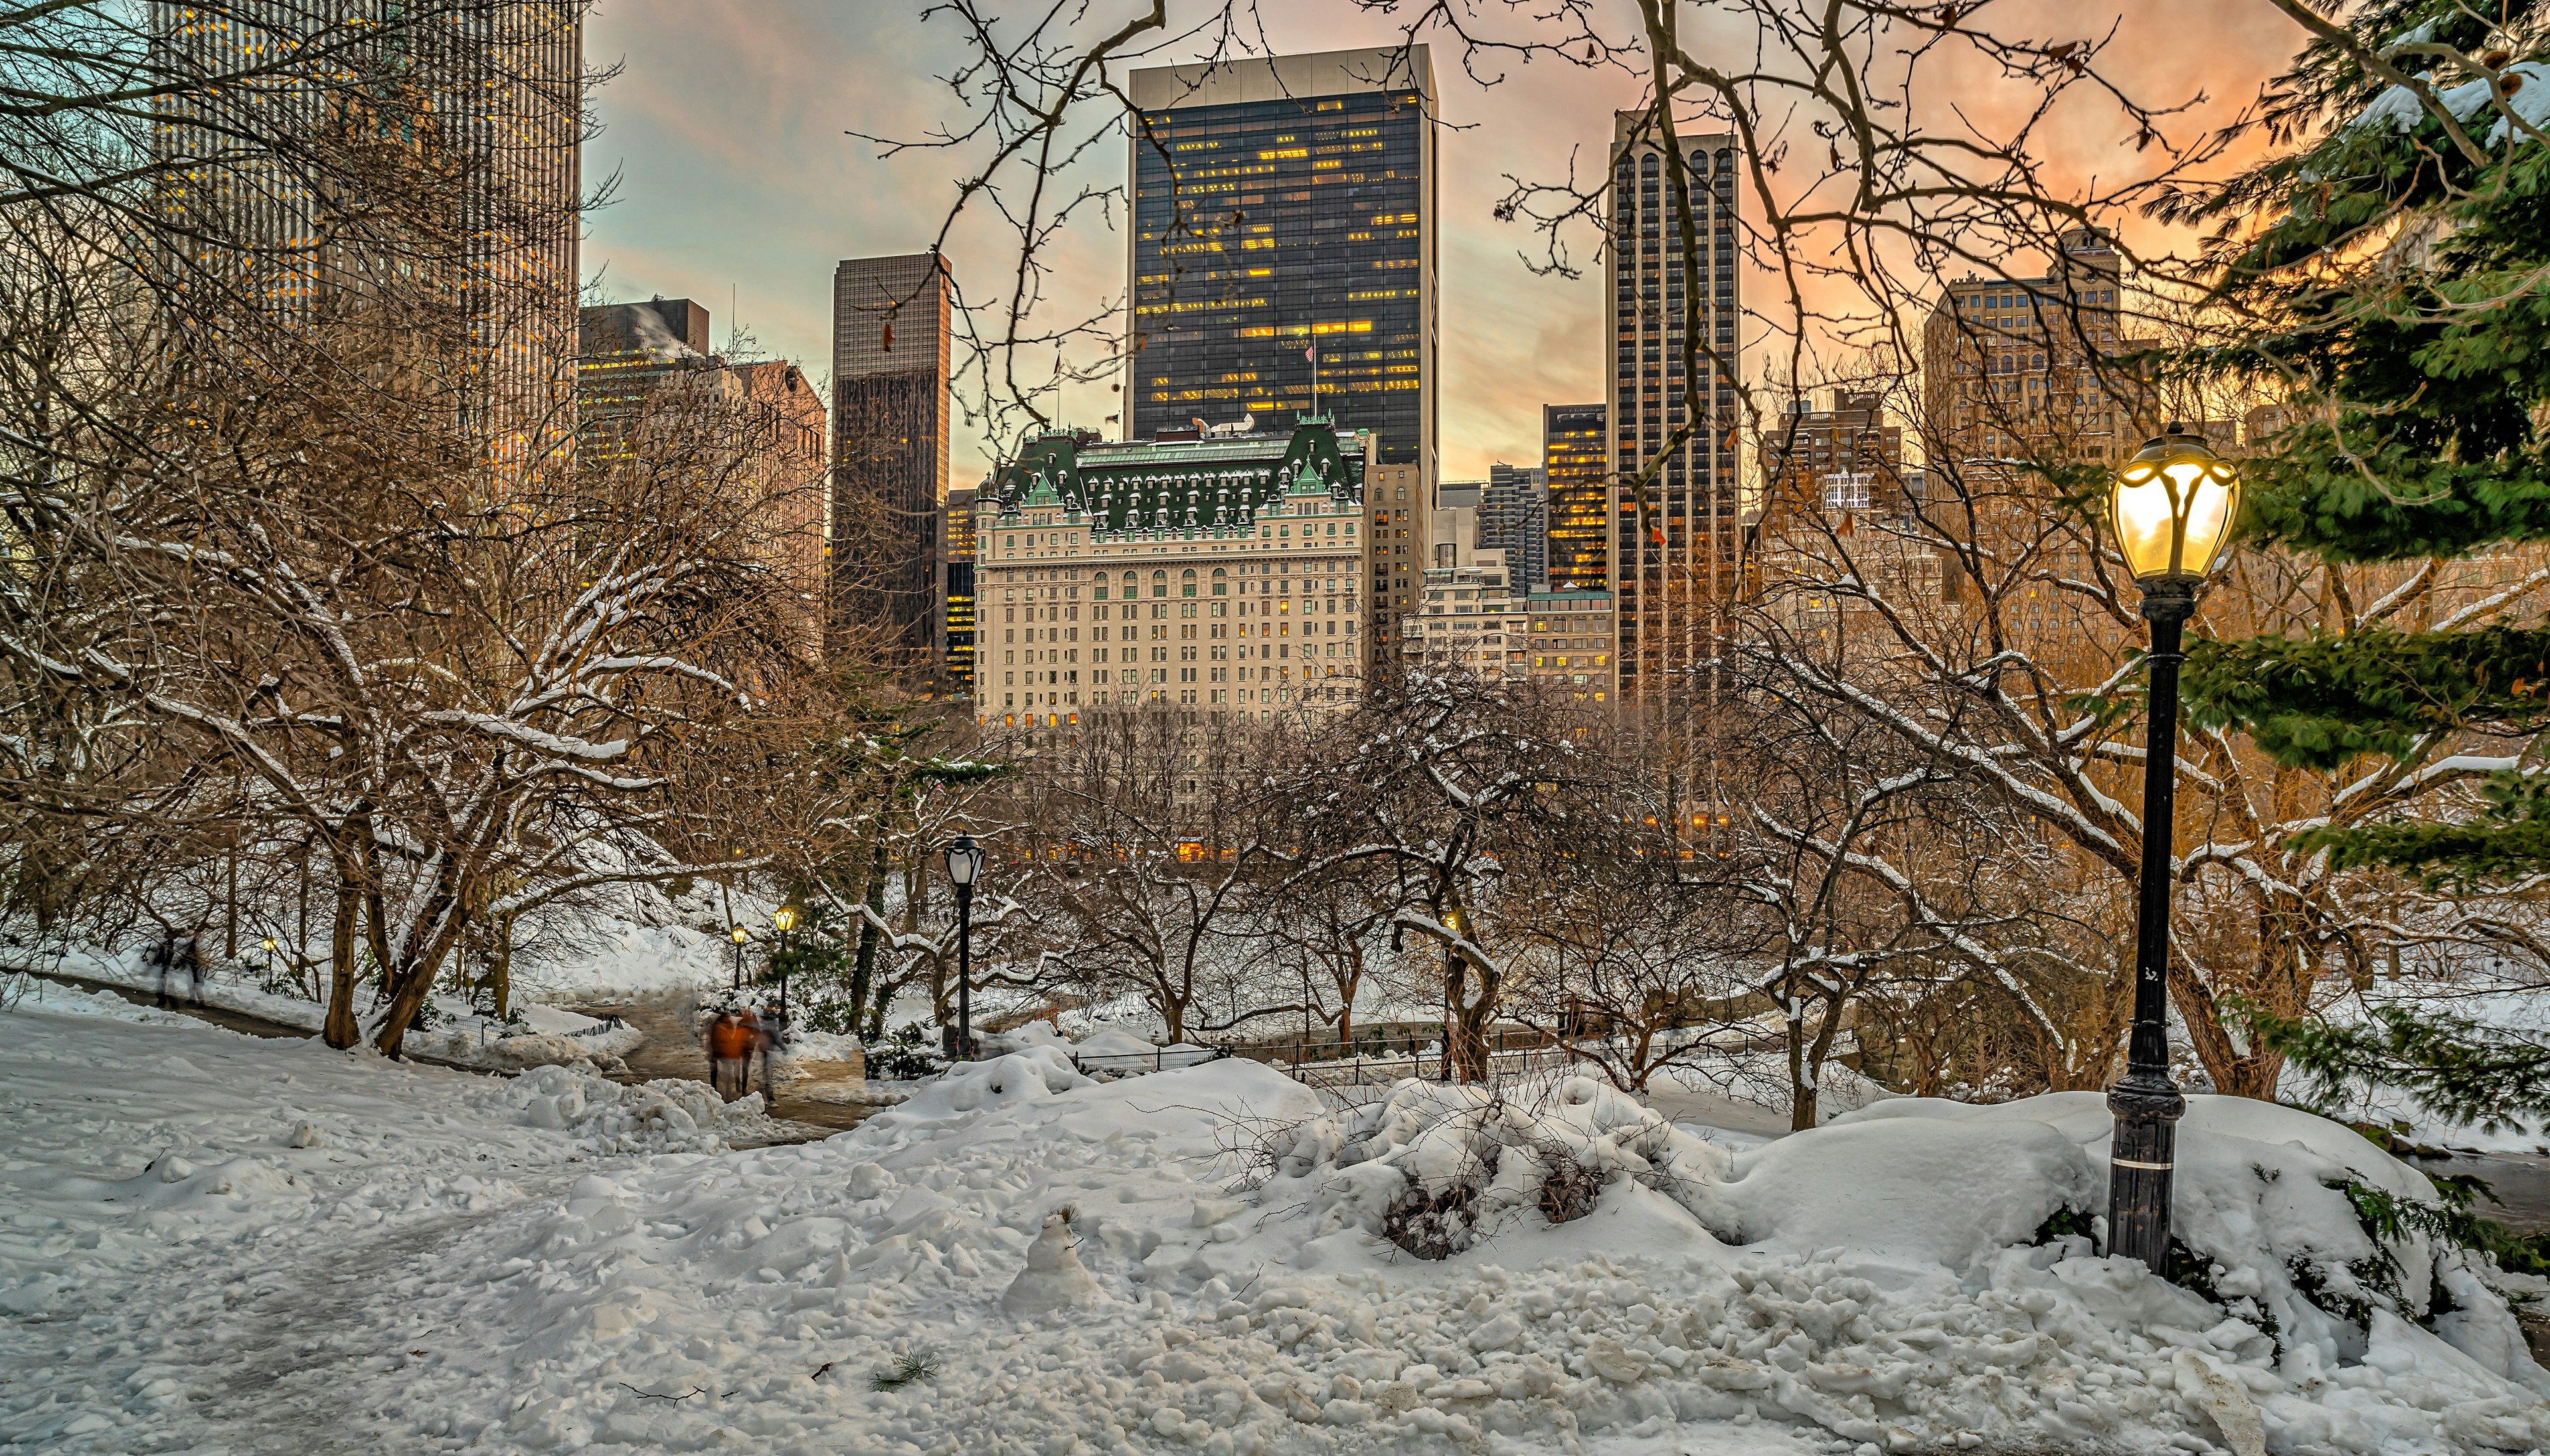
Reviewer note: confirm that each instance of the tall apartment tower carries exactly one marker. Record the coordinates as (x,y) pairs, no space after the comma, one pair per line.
(1677,536)
(892,325)
(644,375)
(491,95)
(2016,365)
(1283,258)
(1575,466)
(1513,518)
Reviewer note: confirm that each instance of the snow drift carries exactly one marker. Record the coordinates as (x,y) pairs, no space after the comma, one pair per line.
(1199,1260)
(667,1115)
(1211,1257)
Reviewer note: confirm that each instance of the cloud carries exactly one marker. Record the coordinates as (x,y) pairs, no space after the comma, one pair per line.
(728,125)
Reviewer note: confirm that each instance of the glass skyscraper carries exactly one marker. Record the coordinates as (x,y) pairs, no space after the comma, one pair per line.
(891,323)
(1283,247)
(1576,467)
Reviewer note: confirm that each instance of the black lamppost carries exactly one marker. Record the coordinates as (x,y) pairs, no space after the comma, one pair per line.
(964,866)
(738,935)
(2172,507)
(783,920)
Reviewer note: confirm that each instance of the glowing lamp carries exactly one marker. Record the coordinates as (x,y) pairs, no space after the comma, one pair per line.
(2173,508)
(964,861)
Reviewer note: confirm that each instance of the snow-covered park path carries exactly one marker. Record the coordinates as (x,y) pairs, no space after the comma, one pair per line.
(213,1243)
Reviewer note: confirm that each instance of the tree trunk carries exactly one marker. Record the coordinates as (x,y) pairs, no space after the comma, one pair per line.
(340,1030)
(863,968)
(407,994)
(2253,1073)
(501,965)
(1801,1081)
(1467,1049)
(411,986)
(1173,1016)
(1806,1067)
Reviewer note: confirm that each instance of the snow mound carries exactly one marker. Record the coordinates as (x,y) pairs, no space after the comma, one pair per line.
(1437,1166)
(967,1089)
(664,1116)
(2310,1234)
(1877,1186)
(29,994)
(540,1037)
(1024,1036)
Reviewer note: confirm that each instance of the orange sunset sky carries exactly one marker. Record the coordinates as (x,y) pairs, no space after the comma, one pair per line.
(725,126)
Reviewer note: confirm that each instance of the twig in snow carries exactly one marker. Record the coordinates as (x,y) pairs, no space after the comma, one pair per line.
(652,1396)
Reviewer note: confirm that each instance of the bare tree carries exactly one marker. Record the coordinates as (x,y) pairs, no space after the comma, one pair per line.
(1432,794)
(1152,829)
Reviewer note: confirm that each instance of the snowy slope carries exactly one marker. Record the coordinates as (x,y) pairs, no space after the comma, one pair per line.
(189,1218)
(1171,1262)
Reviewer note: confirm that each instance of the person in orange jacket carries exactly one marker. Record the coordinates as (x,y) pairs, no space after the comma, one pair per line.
(730,1054)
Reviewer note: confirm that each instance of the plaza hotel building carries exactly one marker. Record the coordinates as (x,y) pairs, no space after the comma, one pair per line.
(1211,570)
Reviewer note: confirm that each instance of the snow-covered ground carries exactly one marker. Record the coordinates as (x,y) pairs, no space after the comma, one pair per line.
(1020,1261)
(540,1034)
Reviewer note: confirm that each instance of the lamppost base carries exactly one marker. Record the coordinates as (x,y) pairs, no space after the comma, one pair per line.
(2141,1167)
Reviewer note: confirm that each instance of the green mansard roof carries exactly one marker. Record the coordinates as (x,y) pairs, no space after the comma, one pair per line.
(1210,484)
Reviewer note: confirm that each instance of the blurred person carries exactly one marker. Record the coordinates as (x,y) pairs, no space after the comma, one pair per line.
(730,1054)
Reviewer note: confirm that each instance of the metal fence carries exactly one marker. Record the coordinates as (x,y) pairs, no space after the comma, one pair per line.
(1378,1072)
(1159,1058)
(1343,1068)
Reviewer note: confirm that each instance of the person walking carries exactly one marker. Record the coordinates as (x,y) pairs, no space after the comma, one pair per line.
(729,1053)
(774,1044)
(754,1038)
(191,955)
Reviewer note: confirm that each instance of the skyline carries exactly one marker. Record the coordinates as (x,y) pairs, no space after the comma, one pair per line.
(737,186)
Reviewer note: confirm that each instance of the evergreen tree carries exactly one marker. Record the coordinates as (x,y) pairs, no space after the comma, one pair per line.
(2395,277)
(2390,269)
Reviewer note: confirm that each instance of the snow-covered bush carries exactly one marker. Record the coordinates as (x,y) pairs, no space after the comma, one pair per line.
(668,1114)
(1435,1167)
(908,1056)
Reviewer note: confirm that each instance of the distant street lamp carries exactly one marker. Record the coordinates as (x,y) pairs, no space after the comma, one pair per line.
(738,935)
(784,920)
(2173,507)
(964,866)
(268,943)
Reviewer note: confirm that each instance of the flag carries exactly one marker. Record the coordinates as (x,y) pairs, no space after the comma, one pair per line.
(1311,353)
(1115,418)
